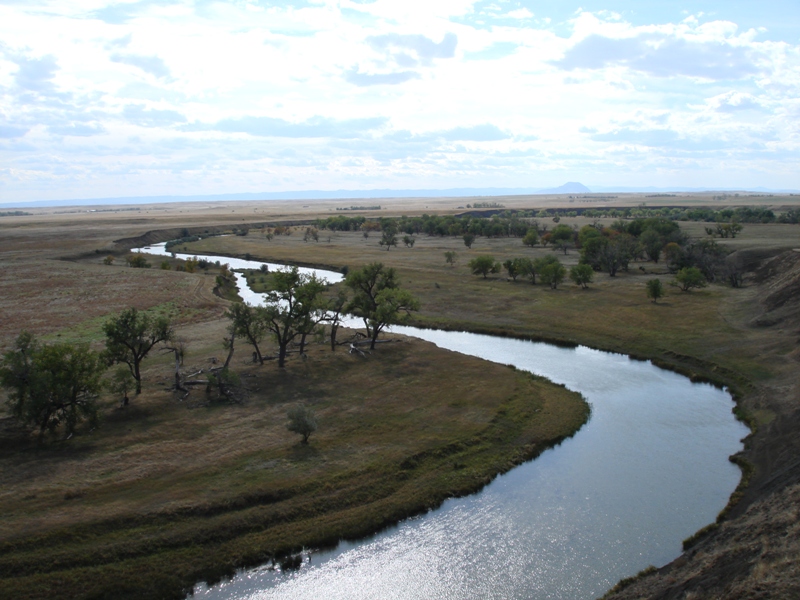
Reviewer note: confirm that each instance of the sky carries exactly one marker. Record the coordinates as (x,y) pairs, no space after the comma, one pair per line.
(159,97)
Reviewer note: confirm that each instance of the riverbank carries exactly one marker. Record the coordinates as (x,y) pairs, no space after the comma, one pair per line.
(167,493)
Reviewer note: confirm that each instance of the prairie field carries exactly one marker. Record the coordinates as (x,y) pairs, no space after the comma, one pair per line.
(172,490)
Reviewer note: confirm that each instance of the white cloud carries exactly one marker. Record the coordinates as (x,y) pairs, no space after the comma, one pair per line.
(221,96)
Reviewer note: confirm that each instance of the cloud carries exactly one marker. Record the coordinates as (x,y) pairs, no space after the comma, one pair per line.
(76,129)
(732,102)
(520,13)
(36,74)
(662,55)
(316,127)
(138,114)
(423,47)
(640,137)
(153,65)
(493,52)
(10,131)
(476,133)
(121,13)
(356,77)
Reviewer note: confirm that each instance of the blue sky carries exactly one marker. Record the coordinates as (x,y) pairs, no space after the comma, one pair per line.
(151,97)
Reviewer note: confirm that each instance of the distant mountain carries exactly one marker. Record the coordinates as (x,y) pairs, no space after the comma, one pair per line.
(571,187)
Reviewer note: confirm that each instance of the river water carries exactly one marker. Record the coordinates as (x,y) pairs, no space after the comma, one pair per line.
(649,469)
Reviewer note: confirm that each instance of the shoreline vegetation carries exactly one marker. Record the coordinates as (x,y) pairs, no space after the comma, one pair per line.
(137,497)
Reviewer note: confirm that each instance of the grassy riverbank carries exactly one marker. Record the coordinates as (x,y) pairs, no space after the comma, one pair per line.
(168,493)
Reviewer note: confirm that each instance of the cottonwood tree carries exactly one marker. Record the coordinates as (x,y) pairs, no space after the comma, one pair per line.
(291,308)
(562,237)
(52,385)
(581,275)
(483,265)
(468,238)
(450,258)
(247,322)
(689,278)
(378,298)
(333,314)
(515,267)
(552,274)
(131,335)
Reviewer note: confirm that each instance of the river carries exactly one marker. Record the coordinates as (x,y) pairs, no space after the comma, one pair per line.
(649,469)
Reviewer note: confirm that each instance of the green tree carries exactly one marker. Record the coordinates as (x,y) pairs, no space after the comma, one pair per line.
(165,266)
(652,244)
(52,385)
(293,308)
(450,258)
(130,336)
(137,261)
(531,237)
(248,323)
(468,238)
(581,275)
(301,420)
(553,274)
(388,239)
(483,265)
(539,265)
(409,241)
(655,290)
(689,278)
(378,298)
(562,237)
(122,382)
(515,267)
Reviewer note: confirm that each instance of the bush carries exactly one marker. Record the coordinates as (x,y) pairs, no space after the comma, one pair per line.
(301,420)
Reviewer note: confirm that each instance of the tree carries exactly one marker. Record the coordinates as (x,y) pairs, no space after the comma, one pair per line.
(130,337)
(108,260)
(122,382)
(450,258)
(52,385)
(378,299)
(137,261)
(247,323)
(652,244)
(515,267)
(333,314)
(468,238)
(688,278)
(581,275)
(553,274)
(293,308)
(655,290)
(562,237)
(483,265)
(409,241)
(388,239)
(301,420)
(531,237)
(165,266)
(539,265)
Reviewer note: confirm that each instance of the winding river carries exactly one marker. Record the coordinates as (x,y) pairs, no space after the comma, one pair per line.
(649,469)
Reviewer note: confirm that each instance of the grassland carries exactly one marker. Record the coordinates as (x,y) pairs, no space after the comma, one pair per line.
(153,499)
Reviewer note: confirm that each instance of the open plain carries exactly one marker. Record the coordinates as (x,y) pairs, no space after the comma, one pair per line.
(167,486)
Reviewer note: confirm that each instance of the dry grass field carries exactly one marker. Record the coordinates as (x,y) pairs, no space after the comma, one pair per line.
(149,502)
